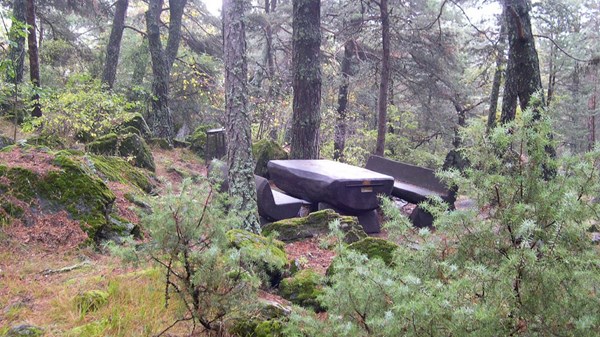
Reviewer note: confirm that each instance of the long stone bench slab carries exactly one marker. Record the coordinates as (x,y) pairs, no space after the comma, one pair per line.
(414,184)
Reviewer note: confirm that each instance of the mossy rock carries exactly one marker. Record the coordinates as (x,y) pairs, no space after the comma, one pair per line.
(134,121)
(90,301)
(5,141)
(267,322)
(24,330)
(129,145)
(263,151)
(119,170)
(303,289)
(52,142)
(316,223)
(268,254)
(71,188)
(197,139)
(375,248)
(161,143)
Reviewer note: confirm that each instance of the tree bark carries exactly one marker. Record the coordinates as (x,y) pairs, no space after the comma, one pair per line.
(382,101)
(523,78)
(176,8)
(17,48)
(114,43)
(239,137)
(306,43)
(34,64)
(497,81)
(160,118)
(339,137)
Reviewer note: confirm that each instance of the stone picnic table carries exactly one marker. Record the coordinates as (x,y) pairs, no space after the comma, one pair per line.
(351,189)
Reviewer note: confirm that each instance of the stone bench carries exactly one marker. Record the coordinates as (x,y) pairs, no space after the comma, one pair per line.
(272,204)
(414,184)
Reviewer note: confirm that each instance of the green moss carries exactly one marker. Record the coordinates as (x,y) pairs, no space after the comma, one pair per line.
(316,223)
(268,322)
(263,151)
(303,289)
(90,301)
(197,139)
(136,121)
(23,183)
(375,248)
(256,245)
(53,142)
(161,143)
(24,330)
(117,169)
(95,328)
(129,145)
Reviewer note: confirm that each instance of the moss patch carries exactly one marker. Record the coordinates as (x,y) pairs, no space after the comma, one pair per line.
(134,121)
(263,151)
(268,255)
(129,145)
(117,169)
(90,301)
(316,223)
(303,289)
(375,248)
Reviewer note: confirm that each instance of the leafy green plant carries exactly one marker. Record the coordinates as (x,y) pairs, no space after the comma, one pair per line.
(81,110)
(520,263)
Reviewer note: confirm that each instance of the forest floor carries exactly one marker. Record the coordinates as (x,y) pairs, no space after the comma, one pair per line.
(44,267)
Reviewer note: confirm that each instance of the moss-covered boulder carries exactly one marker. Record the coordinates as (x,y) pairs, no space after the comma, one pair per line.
(67,186)
(375,248)
(24,330)
(129,145)
(316,223)
(197,139)
(303,289)
(90,301)
(267,254)
(134,121)
(118,169)
(267,321)
(263,151)
(5,141)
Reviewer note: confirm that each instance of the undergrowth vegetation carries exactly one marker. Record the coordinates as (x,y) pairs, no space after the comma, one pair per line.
(520,263)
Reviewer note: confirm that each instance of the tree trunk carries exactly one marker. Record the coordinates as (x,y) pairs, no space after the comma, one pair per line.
(382,101)
(339,137)
(34,64)
(523,78)
(551,74)
(306,43)
(497,81)
(176,8)
(17,48)
(114,43)
(160,118)
(139,69)
(239,151)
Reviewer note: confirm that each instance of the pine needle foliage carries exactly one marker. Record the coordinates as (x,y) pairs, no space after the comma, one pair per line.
(203,271)
(520,263)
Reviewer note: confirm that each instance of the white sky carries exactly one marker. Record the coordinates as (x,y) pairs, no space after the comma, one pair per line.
(213,6)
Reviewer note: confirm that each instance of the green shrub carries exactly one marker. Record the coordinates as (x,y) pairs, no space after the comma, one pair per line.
(520,263)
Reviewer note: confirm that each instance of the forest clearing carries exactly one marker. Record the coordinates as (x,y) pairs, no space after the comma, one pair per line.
(299,168)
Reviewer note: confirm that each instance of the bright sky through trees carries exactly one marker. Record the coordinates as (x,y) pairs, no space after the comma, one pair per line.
(213,6)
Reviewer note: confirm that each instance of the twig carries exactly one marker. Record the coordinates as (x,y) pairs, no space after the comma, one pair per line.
(66,269)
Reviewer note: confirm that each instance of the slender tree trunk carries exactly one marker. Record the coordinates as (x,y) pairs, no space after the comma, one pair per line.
(551,74)
(382,101)
(306,41)
(497,81)
(140,65)
(17,48)
(176,8)
(34,64)
(239,151)
(114,43)
(160,118)
(523,78)
(339,137)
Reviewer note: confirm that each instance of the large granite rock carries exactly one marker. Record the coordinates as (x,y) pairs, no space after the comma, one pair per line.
(316,223)
(129,145)
(263,151)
